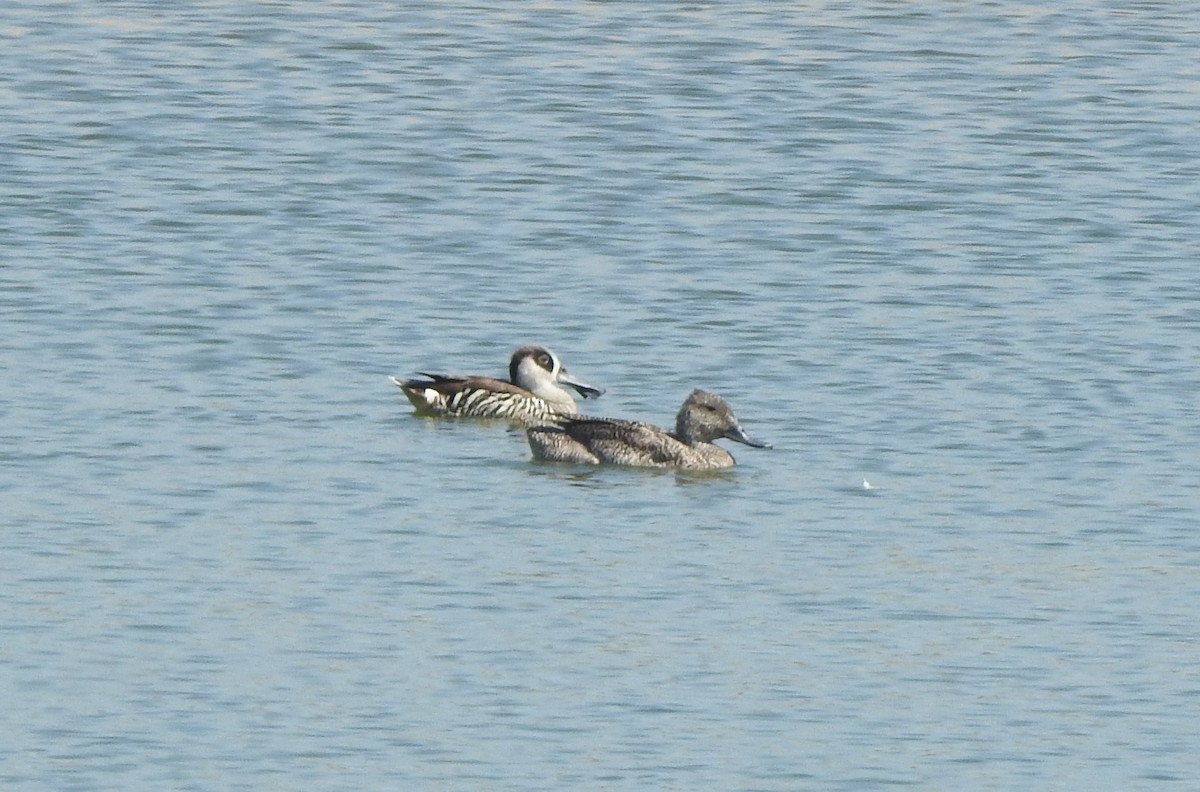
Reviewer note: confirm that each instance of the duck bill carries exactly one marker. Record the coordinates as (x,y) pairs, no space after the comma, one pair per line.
(585,390)
(739,434)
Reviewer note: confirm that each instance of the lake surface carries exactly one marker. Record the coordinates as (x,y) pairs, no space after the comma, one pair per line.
(946,249)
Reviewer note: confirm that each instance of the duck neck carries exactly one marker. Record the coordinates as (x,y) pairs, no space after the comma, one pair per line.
(683,435)
(556,397)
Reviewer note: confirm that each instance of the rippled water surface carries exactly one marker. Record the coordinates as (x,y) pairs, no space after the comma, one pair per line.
(947,249)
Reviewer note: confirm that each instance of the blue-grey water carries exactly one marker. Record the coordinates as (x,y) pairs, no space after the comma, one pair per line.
(949,249)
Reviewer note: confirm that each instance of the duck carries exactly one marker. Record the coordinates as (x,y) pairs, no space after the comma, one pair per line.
(531,395)
(704,417)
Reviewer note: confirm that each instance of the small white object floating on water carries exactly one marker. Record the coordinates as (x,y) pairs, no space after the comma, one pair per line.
(868,485)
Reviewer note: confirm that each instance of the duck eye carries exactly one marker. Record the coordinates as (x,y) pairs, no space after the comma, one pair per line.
(544,361)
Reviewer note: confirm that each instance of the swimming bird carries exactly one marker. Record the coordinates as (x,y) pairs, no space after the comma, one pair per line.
(704,417)
(531,395)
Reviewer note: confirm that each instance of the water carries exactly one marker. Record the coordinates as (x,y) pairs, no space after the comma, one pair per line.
(945,249)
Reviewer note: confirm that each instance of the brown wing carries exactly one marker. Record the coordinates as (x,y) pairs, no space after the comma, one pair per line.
(625,442)
(451,385)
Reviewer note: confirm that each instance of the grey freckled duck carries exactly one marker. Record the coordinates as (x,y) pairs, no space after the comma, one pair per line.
(532,394)
(704,417)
